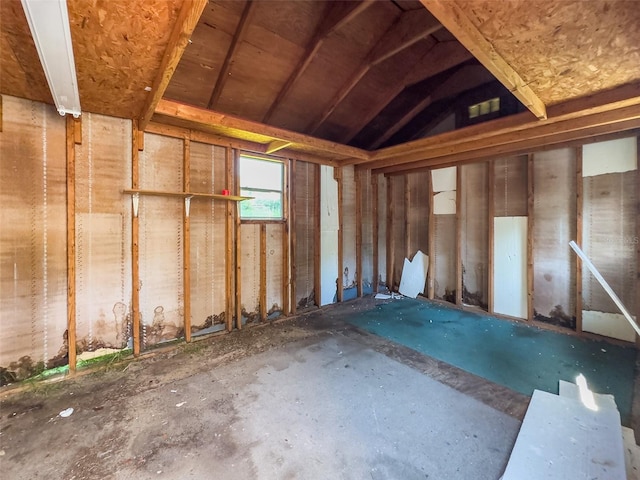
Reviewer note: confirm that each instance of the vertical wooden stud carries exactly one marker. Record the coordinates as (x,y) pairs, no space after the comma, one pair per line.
(390,236)
(317,235)
(375,231)
(135,243)
(77,126)
(186,229)
(579,209)
(458,235)
(263,272)
(491,213)
(337,174)
(237,237)
(228,239)
(358,178)
(140,141)
(431,240)
(1,113)
(71,243)
(292,233)
(286,232)
(530,227)
(407,222)
(637,239)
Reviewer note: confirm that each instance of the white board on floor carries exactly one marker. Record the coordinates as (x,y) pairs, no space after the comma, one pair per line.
(612,325)
(329,224)
(510,266)
(609,157)
(414,275)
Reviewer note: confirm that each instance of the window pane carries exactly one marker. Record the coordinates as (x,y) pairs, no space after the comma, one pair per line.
(263,205)
(262,174)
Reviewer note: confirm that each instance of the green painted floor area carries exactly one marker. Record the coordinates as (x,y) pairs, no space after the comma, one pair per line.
(517,356)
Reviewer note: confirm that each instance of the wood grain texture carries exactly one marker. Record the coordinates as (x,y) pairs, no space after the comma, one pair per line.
(71,243)
(578,233)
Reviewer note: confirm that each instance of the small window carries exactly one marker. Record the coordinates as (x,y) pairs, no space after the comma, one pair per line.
(261,179)
(484,108)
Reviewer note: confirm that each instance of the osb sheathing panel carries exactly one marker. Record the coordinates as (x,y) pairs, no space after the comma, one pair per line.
(250,273)
(382,228)
(348,270)
(609,239)
(103,233)
(274,267)
(563,49)
(305,219)
(510,187)
(444,262)
(118,47)
(20,71)
(418,214)
(161,240)
(475,233)
(207,221)
(554,226)
(367,228)
(33,254)
(397,225)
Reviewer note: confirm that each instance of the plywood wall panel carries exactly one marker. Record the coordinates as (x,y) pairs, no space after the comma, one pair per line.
(33,268)
(554,224)
(444,262)
(274,266)
(305,236)
(382,228)
(510,186)
(475,234)
(250,262)
(418,214)
(348,270)
(398,226)
(367,229)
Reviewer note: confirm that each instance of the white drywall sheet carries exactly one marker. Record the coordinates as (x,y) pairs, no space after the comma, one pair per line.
(443,179)
(612,325)
(414,275)
(444,203)
(329,224)
(561,438)
(609,157)
(510,266)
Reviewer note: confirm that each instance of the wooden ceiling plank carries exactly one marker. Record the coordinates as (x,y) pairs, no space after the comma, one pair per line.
(276,145)
(185,24)
(457,22)
(406,118)
(238,37)
(336,15)
(204,117)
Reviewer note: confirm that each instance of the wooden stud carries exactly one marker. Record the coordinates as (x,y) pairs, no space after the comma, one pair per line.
(389,234)
(292,234)
(275,146)
(77,128)
(228,240)
(135,244)
(407,222)
(337,174)
(459,236)
(286,232)
(186,229)
(461,26)
(71,244)
(358,179)
(183,28)
(431,241)
(375,232)
(238,38)
(263,272)
(637,239)
(530,227)
(141,140)
(1,113)
(317,280)
(491,213)
(237,242)
(579,217)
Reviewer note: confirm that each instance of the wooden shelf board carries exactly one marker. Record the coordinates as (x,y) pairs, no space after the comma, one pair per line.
(159,193)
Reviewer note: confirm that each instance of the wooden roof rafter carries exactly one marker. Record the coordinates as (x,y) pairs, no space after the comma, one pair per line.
(336,15)
(459,24)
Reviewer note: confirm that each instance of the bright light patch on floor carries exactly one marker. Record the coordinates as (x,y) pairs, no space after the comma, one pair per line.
(586,395)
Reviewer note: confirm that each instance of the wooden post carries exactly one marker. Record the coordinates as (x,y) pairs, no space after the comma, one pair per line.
(292,233)
(263,272)
(579,208)
(317,235)
(375,231)
(186,229)
(358,179)
(530,227)
(135,242)
(458,235)
(431,240)
(237,237)
(637,239)
(77,133)
(228,239)
(390,237)
(337,174)
(71,243)
(491,213)
(407,223)
(286,231)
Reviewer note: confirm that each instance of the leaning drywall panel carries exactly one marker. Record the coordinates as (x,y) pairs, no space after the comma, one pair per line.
(329,226)
(444,261)
(274,267)
(161,241)
(207,222)
(250,270)
(554,221)
(33,257)
(348,270)
(614,156)
(510,266)
(382,229)
(613,325)
(418,214)
(475,233)
(305,218)
(510,186)
(398,226)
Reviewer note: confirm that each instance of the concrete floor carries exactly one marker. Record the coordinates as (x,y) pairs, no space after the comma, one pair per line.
(308,398)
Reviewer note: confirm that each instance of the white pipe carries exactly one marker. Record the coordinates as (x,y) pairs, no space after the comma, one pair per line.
(605,285)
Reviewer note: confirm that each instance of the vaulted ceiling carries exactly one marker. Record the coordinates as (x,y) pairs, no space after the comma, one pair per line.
(368,74)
